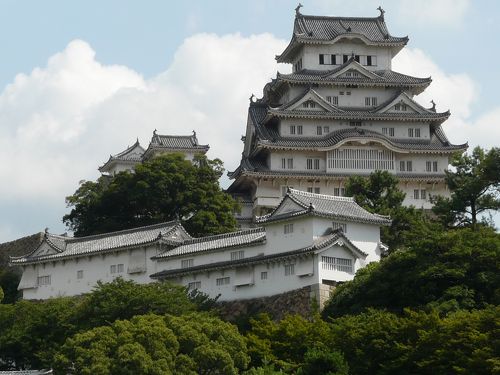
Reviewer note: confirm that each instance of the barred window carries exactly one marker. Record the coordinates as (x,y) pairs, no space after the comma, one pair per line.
(79,274)
(263,275)
(435,166)
(362,158)
(337,264)
(194,285)
(391,132)
(423,194)
(289,269)
(342,226)
(335,100)
(416,194)
(288,228)
(428,166)
(292,129)
(119,268)
(417,133)
(237,255)
(44,280)
(223,281)
(309,164)
(402,165)
(186,263)
(319,130)
(409,166)
(299,129)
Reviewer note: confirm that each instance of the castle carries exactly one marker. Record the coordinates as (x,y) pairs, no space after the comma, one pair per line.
(341,112)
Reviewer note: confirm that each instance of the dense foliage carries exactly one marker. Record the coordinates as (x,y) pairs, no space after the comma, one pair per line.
(164,188)
(475,188)
(447,270)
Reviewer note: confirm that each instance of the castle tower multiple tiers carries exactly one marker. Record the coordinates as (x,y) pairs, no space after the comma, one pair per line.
(341,112)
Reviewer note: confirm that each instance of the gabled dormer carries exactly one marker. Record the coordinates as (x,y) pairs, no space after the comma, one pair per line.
(310,100)
(403,103)
(352,70)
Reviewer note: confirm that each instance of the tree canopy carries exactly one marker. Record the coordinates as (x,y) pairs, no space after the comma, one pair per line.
(164,188)
(474,183)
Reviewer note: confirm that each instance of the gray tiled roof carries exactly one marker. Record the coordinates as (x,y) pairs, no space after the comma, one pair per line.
(181,142)
(83,246)
(342,208)
(385,78)
(126,156)
(242,238)
(321,29)
(269,138)
(319,243)
(253,167)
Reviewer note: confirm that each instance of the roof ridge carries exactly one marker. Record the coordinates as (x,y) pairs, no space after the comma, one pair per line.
(223,235)
(123,231)
(323,196)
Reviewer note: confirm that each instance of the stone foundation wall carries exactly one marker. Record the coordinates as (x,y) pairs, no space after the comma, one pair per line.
(304,301)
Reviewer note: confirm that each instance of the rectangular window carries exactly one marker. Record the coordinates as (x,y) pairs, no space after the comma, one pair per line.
(434,166)
(283,163)
(112,268)
(305,104)
(384,131)
(355,123)
(289,269)
(416,193)
(404,107)
(186,263)
(402,166)
(299,129)
(79,274)
(316,163)
(222,281)
(309,189)
(341,93)
(348,93)
(309,164)
(342,192)
(335,100)
(119,268)
(371,60)
(336,192)
(329,99)
(409,166)
(397,107)
(423,194)
(428,166)
(337,59)
(345,58)
(317,190)
(391,132)
(342,226)
(237,255)
(289,163)
(367,102)
(43,280)
(374,101)
(410,132)
(321,59)
(194,285)
(337,264)
(292,129)
(326,129)
(319,130)
(263,275)
(288,228)
(417,133)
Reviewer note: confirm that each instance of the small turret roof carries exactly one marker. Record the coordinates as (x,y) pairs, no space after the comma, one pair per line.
(132,154)
(309,29)
(175,143)
(341,208)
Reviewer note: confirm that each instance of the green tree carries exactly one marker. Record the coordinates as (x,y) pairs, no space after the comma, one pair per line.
(164,188)
(444,270)
(122,299)
(417,342)
(9,280)
(474,185)
(322,361)
(142,345)
(379,193)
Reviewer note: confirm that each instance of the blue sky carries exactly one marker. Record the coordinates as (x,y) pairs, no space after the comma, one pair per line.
(82,79)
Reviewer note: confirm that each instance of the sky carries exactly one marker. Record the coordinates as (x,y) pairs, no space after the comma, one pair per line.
(80,80)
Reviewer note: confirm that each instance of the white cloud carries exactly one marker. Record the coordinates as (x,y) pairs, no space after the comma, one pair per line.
(61,121)
(437,12)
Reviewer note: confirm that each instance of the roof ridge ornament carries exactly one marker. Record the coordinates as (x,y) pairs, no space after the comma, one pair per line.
(433,108)
(297,10)
(251,98)
(382,11)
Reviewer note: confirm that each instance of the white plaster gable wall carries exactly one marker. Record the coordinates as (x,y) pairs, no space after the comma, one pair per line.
(310,54)
(277,240)
(335,274)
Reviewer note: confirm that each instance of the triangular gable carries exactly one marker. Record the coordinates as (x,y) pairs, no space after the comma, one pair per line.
(343,242)
(44,249)
(402,103)
(352,66)
(311,96)
(287,206)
